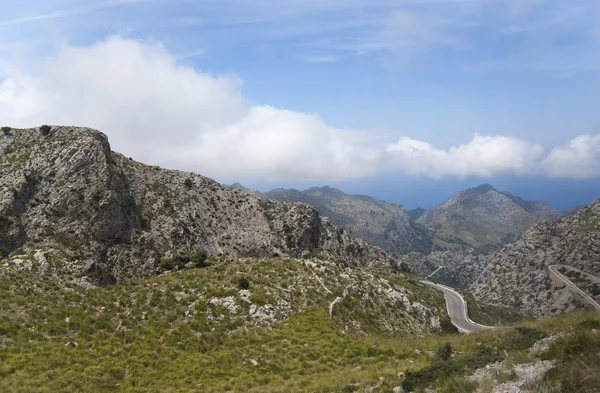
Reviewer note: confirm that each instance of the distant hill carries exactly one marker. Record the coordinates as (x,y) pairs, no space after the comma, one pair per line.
(486,218)
(383,224)
(479,220)
(416,213)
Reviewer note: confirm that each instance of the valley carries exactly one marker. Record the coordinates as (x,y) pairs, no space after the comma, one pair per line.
(121,276)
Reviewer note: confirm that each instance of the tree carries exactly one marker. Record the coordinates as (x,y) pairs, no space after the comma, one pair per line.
(6,130)
(45,129)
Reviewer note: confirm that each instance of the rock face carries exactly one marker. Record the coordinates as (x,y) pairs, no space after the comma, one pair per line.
(90,212)
(383,224)
(459,269)
(518,275)
(484,218)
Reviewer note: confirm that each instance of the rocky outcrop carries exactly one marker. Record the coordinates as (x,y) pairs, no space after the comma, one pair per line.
(384,224)
(94,213)
(485,218)
(458,269)
(518,275)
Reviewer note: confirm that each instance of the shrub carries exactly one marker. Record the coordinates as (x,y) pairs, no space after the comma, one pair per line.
(448,327)
(188,183)
(444,351)
(6,130)
(179,261)
(199,258)
(45,129)
(243,283)
(166,264)
(521,338)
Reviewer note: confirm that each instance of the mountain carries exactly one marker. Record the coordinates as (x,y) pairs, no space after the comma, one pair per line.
(518,275)
(285,301)
(87,213)
(384,224)
(485,218)
(416,213)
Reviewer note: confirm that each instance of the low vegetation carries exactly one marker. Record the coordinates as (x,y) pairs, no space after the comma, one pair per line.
(167,334)
(491,315)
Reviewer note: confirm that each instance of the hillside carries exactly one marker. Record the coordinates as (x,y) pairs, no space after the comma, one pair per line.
(94,216)
(457,269)
(485,218)
(518,275)
(273,325)
(384,224)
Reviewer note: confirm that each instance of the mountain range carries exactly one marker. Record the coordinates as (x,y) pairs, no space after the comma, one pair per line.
(481,219)
(120,276)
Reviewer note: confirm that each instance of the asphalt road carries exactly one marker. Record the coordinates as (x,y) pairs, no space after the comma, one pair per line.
(457,310)
(573,287)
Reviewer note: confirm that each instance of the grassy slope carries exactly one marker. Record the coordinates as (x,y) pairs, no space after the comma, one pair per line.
(491,315)
(131,338)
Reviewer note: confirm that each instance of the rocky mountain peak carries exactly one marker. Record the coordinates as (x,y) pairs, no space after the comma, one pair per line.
(486,218)
(99,216)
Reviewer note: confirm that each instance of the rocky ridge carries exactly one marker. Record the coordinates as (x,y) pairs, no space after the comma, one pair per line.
(518,275)
(384,224)
(485,218)
(459,269)
(86,212)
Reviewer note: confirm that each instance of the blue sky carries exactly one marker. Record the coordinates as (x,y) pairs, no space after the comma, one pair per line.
(406,100)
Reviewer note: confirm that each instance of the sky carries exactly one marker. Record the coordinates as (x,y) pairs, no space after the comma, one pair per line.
(408,101)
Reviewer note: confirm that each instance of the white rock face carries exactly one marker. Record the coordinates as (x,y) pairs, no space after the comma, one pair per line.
(96,213)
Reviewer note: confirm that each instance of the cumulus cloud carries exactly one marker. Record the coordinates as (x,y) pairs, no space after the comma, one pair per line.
(483,156)
(161,112)
(579,159)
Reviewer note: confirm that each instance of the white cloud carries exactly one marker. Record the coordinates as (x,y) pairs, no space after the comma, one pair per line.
(483,156)
(160,112)
(579,159)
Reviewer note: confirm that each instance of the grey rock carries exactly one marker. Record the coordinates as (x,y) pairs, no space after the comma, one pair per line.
(518,275)
(484,218)
(98,214)
(384,224)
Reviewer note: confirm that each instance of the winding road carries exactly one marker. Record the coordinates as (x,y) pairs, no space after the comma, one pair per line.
(457,309)
(573,287)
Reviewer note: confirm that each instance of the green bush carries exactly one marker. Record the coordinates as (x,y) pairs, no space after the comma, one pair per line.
(45,130)
(448,327)
(442,371)
(243,283)
(577,364)
(521,338)
(444,351)
(166,264)
(6,130)
(199,258)
(188,183)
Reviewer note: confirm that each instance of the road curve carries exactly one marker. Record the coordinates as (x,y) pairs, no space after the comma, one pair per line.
(457,309)
(573,287)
